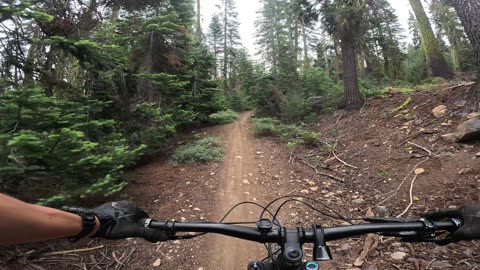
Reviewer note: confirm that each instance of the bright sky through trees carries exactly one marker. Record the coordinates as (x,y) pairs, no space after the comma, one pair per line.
(247,10)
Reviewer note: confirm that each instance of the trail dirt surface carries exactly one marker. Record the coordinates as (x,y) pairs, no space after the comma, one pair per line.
(236,185)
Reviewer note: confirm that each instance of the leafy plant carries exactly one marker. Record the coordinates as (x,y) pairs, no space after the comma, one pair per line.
(223,117)
(51,142)
(201,151)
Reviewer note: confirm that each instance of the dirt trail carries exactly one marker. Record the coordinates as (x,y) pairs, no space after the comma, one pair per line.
(237,184)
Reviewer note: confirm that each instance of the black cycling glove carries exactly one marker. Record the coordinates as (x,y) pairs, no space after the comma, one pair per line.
(119,220)
(470,216)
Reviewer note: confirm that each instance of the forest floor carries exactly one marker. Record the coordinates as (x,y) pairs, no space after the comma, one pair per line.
(382,147)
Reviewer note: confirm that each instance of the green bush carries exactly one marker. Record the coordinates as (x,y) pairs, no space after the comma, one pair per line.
(272,127)
(223,117)
(295,108)
(266,127)
(201,151)
(415,66)
(148,125)
(55,144)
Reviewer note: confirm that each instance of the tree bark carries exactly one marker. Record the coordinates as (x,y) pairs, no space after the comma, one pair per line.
(436,61)
(353,97)
(306,61)
(225,50)
(469,13)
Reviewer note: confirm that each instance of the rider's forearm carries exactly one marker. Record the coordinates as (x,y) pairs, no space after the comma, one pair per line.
(22,222)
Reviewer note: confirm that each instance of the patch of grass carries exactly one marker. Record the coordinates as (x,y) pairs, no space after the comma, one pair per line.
(223,117)
(272,127)
(202,151)
(383,173)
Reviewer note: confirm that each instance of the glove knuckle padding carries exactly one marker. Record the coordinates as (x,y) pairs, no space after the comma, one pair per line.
(120,220)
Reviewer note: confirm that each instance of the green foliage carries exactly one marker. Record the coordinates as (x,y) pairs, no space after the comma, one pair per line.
(415,66)
(223,117)
(294,108)
(149,126)
(202,151)
(56,143)
(269,127)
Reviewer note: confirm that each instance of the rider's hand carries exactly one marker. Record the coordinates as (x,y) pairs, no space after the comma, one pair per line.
(470,215)
(119,220)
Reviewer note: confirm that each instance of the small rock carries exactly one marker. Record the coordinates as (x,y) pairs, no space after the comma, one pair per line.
(276,177)
(183,219)
(197,209)
(345,248)
(465,171)
(440,249)
(358,201)
(246,182)
(419,171)
(460,103)
(466,131)
(441,265)
(238,157)
(477,154)
(311,183)
(200,268)
(418,122)
(314,189)
(451,138)
(473,115)
(157,263)
(439,111)
(382,211)
(304,191)
(398,255)
(397,244)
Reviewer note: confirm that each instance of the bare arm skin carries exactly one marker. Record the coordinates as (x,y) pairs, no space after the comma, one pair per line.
(22,222)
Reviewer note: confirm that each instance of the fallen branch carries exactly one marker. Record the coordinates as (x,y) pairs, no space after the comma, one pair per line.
(421,147)
(344,163)
(324,174)
(394,192)
(411,197)
(459,85)
(71,251)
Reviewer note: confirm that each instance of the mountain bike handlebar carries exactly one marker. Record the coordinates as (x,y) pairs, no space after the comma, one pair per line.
(276,235)
(291,240)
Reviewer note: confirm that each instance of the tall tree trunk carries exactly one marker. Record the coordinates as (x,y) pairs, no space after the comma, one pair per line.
(468,11)
(306,62)
(225,50)
(199,22)
(353,97)
(115,12)
(436,61)
(29,67)
(457,59)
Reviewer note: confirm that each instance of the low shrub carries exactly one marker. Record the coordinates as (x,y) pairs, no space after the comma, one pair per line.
(266,127)
(202,151)
(223,117)
(297,133)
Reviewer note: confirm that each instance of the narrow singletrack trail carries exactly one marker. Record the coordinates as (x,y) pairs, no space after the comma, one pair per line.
(237,184)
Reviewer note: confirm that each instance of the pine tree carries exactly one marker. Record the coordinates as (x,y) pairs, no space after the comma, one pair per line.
(448,24)
(468,11)
(231,41)
(414,30)
(215,38)
(436,61)
(343,19)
